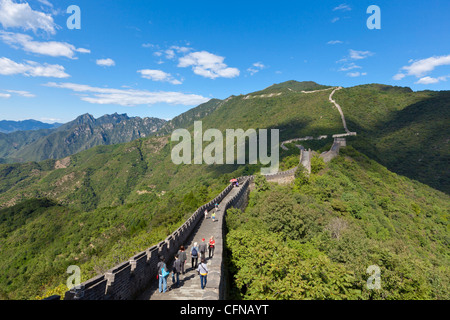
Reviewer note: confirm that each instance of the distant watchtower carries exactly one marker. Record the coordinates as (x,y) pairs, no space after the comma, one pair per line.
(342,142)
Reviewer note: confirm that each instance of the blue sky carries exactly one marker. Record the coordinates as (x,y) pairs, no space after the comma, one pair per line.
(161,58)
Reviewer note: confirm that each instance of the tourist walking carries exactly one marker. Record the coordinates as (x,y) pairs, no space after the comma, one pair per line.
(194,255)
(183,258)
(203,272)
(213,216)
(212,245)
(206,213)
(202,249)
(176,269)
(163,273)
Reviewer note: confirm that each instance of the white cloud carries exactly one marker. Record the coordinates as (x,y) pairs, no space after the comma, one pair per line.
(170,54)
(358,55)
(105,62)
(356,74)
(256,67)
(334,20)
(46,2)
(430,80)
(82,50)
(20,15)
(5,95)
(48,48)
(31,69)
(22,93)
(181,49)
(399,76)
(342,7)
(158,75)
(421,67)
(350,66)
(129,97)
(335,42)
(50,120)
(352,56)
(259,65)
(208,65)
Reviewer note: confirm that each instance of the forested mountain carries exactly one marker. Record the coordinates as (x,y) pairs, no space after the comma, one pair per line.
(111,201)
(80,134)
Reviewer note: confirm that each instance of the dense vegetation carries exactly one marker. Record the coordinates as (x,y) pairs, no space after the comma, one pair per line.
(107,204)
(315,238)
(98,207)
(40,238)
(403,130)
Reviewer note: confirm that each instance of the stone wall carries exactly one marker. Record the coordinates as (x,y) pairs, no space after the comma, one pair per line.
(130,278)
(217,275)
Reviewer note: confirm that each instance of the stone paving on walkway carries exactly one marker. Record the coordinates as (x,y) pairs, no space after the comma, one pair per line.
(189,288)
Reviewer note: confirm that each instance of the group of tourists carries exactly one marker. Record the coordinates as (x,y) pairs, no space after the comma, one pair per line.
(213,213)
(179,264)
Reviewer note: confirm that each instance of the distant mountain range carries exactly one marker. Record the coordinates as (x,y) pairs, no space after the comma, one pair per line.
(7,126)
(100,206)
(32,143)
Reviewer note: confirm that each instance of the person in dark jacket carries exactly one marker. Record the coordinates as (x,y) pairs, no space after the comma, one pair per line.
(202,249)
(194,255)
(182,256)
(176,269)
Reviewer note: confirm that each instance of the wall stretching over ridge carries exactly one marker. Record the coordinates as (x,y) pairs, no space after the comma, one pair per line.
(129,279)
(217,275)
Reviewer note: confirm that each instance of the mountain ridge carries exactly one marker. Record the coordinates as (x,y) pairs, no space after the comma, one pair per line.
(80,134)
(9,126)
(110,201)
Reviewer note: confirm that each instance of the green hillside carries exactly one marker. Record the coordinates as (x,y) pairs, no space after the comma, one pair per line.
(109,202)
(316,238)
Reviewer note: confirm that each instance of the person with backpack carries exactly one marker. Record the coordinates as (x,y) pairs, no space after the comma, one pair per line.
(163,273)
(183,258)
(176,271)
(202,270)
(194,255)
(212,245)
(202,249)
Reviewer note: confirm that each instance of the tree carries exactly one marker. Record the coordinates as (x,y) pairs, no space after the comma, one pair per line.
(261,183)
(301,176)
(317,164)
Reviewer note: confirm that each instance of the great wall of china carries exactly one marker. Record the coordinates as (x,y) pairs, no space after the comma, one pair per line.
(136,277)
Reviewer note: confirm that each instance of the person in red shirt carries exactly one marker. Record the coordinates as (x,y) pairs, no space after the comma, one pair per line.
(212,245)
